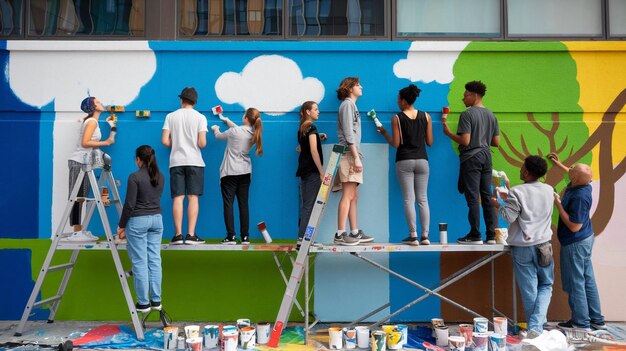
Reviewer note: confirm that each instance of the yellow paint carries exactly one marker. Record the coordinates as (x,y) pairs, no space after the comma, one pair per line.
(602,76)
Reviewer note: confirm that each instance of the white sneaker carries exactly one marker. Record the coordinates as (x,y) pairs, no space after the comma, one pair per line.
(78,237)
(89,234)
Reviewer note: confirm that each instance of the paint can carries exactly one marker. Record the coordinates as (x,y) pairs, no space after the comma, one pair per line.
(388,328)
(481,325)
(211,336)
(247,338)
(513,343)
(349,338)
(497,342)
(443,233)
(335,338)
(242,323)
(394,340)
(441,335)
(180,343)
(169,337)
(263,333)
(456,343)
(466,331)
(379,340)
(500,325)
(404,329)
(192,331)
(436,322)
(480,341)
(194,344)
(362,337)
(229,340)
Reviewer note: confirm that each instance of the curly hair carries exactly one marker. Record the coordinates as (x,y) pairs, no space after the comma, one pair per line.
(410,93)
(477,87)
(536,166)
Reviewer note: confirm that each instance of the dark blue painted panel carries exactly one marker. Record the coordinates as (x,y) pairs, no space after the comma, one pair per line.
(15,293)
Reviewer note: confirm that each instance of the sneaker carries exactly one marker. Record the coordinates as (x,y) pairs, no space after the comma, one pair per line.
(229,240)
(89,234)
(470,240)
(598,326)
(119,241)
(491,239)
(155,306)
(298,244)
(177,240)
(79,237)
(142,308)
(411,240)
(569,325)
(531,334)
(361,237)
(345,239)
(193,240)
(424,241)
(245,240)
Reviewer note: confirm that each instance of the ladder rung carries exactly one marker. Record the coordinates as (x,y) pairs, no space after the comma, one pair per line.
(47,301)
(85,199)
(60,267)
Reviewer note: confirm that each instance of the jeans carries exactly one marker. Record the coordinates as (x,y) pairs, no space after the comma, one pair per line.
(75,167)
(413,178)
(535,285)
(309,187)
(579,282)
(475,184)
(144,234)
(237,185)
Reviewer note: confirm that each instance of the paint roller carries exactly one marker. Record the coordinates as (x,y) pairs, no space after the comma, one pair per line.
(116,108)
(263,229)
(218,111)
(372,115)
(142,113)
(499,187)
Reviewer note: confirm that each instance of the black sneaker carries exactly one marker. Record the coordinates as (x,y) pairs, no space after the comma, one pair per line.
(229,240)
(411,240)
(193,240)
(491,239)
(345,239)
(598,325)
(361,237)
(142,308)
(569,325)
(245,240)
(177,240)
(470,240)
(155,306)
(298,244)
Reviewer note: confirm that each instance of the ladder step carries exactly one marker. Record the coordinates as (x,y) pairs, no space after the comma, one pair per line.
(85,199)
(60,267)
(47,301)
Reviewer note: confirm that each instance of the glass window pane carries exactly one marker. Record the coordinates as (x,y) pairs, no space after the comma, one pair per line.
(10,18)
(86,17)
(617,18)
(426,18)
(555,18)
(352,18)
(229,17)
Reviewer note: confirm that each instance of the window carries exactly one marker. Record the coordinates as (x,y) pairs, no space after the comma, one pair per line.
(448,18)
(202,18)
(555,18)
(617,18)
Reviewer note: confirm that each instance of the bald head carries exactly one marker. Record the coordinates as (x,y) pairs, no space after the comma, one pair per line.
(580,174)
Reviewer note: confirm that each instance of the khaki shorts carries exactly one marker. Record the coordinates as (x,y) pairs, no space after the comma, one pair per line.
(345,172)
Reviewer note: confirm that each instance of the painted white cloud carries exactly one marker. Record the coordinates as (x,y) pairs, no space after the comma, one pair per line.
(271,83)
(429,61)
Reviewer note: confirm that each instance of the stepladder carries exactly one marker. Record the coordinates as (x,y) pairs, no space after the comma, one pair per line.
(301,261)
(94,201)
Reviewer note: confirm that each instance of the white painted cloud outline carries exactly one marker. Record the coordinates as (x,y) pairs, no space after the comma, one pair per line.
(271,83)
(429,61)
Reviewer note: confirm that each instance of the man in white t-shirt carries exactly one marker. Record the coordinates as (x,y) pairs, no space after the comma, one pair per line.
(185,131)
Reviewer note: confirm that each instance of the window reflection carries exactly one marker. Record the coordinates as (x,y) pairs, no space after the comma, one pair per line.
(351,18)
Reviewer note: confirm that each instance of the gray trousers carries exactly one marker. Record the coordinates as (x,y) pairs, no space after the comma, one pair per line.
(413,178)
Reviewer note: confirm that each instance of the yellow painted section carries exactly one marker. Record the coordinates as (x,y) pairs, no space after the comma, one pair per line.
(602,76)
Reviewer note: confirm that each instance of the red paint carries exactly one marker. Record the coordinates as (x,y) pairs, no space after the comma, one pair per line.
(275,336)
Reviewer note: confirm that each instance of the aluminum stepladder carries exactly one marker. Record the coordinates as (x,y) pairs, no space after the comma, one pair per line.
(106,178)
(303,254)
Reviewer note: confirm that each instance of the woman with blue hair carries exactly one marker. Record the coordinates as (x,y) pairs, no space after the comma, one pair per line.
(88,144)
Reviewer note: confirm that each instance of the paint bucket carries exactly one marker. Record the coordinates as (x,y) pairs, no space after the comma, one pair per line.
(247,338)
(194,344)
(481,325)
(335,338)
(443,233)
(242,323)
(404,329)
(456,343)
(500,325)
(263,333)
(229,340)
(466,331)
(379,339)
(394,340)
(192,331)
(480,341)
(349,338)
(362,337)
(436,322)
(513,343)
(441,334)
(226,328)
(169,337)
(497,342)
(180,343)
(211,336)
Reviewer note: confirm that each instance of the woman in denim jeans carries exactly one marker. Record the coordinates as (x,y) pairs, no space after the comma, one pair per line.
(142,223)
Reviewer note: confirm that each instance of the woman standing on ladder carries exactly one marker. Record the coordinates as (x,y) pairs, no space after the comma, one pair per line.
(87,148)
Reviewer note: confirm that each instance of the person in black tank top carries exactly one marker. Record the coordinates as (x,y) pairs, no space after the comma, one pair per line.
(411,132)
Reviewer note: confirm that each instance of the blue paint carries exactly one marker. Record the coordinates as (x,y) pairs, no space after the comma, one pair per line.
(16,264)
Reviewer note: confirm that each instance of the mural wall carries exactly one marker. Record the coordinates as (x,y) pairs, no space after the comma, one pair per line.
(549,97)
